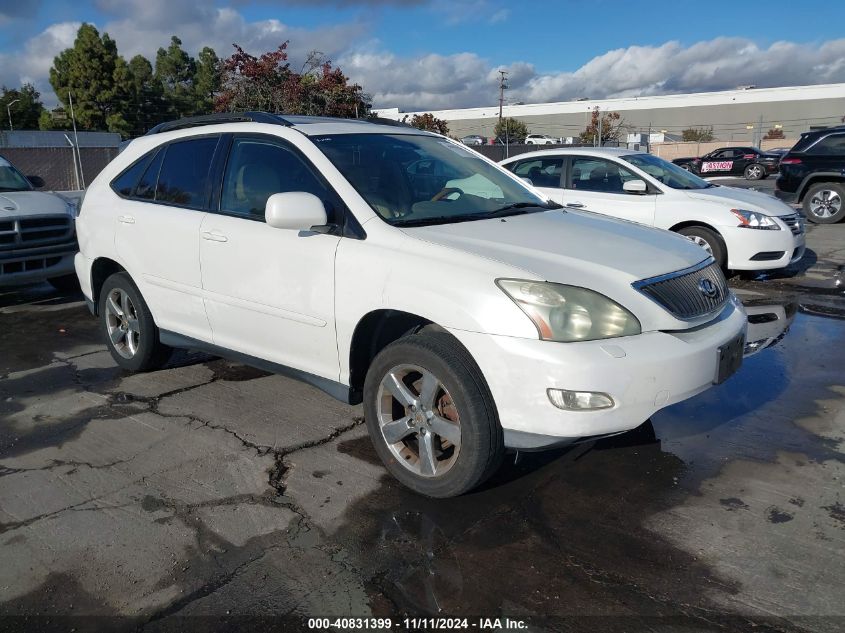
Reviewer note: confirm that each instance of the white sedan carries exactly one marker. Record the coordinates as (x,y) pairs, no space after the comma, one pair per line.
(741,229)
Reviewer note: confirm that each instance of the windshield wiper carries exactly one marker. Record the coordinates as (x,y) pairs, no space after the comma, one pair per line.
(515,208)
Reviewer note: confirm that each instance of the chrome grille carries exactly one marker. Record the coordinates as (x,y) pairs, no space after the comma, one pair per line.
(794,222)
(19,233)
(681,292)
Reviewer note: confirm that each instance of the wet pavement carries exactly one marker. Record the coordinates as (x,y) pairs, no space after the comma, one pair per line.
(212,489)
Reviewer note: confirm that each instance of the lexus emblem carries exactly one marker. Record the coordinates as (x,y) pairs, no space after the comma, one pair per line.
(708,288)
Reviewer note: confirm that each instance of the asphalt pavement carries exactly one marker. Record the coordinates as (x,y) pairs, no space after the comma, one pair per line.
(213,489)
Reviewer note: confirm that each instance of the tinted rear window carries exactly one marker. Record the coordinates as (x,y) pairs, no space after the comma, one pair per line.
(183,179)
(125,183)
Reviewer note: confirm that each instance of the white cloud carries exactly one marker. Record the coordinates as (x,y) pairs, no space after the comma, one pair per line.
(465,80)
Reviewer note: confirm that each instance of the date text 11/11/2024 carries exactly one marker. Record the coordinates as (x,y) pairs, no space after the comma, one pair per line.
(416,624)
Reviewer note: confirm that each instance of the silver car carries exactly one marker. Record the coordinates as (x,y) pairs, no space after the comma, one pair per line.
(37,232)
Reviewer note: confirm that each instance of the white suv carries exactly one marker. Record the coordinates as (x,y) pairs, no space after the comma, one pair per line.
(540,139)
(741,229)
(392,266)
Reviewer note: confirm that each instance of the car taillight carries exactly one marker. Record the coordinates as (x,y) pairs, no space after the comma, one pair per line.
(790,161)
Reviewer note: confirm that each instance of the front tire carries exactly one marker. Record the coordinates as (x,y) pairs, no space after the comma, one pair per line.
(128,326)
(710,241)
(431,416)
(824,203)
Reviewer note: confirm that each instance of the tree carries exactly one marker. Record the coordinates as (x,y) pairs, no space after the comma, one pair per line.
(93,73)
(268,83)
(774,133)
(513,130)
(207,80)
(698,134)
(429,123)
(26,110)
(175,70)
(611,125)
(147,106)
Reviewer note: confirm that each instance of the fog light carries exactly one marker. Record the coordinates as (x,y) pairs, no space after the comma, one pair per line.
(579,400)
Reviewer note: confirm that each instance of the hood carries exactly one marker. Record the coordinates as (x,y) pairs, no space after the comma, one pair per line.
(569,246)
(31,204)
(734,198)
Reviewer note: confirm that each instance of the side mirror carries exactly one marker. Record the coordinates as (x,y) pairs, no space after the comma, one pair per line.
(528,180)
(295,210)
(635,186)
(36,181)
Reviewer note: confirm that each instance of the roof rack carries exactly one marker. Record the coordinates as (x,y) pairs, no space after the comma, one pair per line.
(221,117)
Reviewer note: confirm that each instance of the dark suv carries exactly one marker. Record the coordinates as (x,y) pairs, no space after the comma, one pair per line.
(813,173)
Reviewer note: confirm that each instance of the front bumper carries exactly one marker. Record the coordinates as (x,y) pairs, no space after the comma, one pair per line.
(28,266)
(753,249)
(642,374)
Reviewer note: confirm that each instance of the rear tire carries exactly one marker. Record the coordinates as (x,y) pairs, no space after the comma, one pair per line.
(754,172)
(710,241)
(824,203)
(418,388)
(128,326)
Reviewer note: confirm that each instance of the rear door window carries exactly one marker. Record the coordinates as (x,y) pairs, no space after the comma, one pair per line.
(146,189)
(183,178)
(829,145)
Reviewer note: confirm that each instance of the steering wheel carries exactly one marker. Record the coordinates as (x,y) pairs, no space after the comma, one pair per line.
(446,191)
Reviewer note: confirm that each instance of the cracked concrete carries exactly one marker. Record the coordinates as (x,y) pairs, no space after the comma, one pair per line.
(211,489)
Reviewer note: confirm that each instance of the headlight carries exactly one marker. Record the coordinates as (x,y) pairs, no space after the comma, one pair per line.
(755,220)
(568,313)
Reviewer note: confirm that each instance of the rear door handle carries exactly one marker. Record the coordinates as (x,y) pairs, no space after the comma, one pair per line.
(214,236)
(575,205)
(126,219)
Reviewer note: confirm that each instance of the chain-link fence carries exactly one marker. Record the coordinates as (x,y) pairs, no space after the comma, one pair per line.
(57,165)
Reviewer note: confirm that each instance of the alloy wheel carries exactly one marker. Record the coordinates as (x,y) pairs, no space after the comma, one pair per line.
(701,242)
(418,420)
(122,323)
(825,203)
(755,171)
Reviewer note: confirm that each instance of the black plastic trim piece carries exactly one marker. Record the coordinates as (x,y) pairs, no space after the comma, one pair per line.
(336,390)
(768,256)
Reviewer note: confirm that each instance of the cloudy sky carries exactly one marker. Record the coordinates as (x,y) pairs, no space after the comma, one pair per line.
(433,54)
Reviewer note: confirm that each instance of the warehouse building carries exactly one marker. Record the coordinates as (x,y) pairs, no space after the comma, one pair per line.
(737,116)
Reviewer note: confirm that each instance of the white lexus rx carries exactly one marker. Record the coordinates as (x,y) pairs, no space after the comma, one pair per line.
(396,267)
(741,229)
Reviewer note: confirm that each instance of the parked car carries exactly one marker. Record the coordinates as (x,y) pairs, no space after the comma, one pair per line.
(474,139)
(475,319)
(749,162)
(508,140)
(540,139)
(813,174)
(741,229)
(37,233)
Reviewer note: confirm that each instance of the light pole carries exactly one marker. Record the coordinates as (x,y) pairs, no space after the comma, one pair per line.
(9,112)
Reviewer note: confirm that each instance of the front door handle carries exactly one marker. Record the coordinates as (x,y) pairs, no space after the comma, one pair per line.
(575,205)
(126,219)
(214,236)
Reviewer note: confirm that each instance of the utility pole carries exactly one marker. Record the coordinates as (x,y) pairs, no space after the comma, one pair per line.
(9,112)
(503,85)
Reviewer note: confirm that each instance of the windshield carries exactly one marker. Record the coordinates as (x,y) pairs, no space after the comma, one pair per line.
(415,180)
(668,173)
(11,179)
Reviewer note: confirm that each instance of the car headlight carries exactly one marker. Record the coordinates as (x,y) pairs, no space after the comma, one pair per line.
(755,220)
(568,313)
